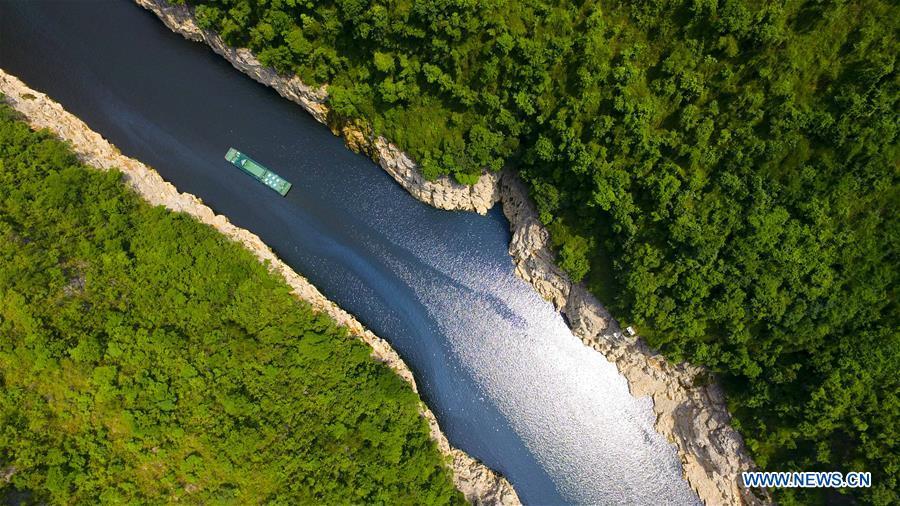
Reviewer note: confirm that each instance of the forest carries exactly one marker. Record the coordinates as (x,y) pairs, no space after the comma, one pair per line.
(720,173)
(147,359)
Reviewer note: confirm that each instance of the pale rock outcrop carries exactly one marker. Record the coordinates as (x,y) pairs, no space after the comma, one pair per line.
(691,415)
(479,484)
(444,193)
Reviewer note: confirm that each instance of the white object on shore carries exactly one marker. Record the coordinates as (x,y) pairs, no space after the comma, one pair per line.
(630,331)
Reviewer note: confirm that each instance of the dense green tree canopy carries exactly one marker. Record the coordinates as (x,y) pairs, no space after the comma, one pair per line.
(147,359)
(722,173)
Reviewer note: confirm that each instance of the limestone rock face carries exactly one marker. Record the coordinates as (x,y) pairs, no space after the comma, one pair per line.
(692,416)
(479,484)
(443,193)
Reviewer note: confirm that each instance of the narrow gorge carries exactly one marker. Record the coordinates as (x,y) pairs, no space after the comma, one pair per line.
(689,413)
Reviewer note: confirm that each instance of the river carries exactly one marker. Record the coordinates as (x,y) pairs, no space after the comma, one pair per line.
(507,380)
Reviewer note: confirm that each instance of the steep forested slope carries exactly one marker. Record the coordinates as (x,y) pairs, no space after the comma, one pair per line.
(147,359)
(723,174)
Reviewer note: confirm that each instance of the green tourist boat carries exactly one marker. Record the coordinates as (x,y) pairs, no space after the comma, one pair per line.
(257,171)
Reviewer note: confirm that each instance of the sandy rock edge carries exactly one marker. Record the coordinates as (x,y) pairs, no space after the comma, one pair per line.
(690,414)
(479,484)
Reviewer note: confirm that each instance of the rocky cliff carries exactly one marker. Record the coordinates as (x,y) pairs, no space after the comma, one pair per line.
(691,415)
(479,484)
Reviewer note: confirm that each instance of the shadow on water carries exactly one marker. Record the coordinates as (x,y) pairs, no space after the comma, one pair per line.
(508,382)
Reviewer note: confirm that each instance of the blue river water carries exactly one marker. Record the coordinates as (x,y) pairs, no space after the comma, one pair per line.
(506,379)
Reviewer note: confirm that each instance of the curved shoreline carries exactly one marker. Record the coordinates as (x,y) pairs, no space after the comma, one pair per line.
(477,482)
(692,417)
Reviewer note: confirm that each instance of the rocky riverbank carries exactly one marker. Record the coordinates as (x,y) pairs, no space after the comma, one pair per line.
(690,414)
(479,484)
